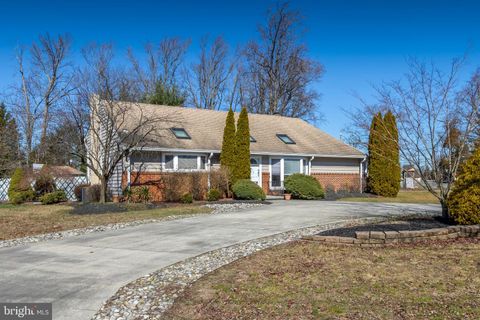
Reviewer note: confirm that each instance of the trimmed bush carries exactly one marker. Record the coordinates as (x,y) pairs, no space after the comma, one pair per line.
(187,198)
(44,183)
(213,195)
(245,189)
(21,196)
(303,187)
(464,200)
(53,197)
(20,190)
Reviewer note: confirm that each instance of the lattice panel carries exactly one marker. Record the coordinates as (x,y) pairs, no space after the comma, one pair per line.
(4,184)
(68,185)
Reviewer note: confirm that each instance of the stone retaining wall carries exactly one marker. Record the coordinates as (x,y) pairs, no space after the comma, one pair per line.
(383,238)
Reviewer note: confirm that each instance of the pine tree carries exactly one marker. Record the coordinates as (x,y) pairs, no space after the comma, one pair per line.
(164,95)
(464,200)
(242,144)
(227,156)
(392,156)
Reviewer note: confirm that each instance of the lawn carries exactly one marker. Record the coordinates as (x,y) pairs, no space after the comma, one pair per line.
(307,280)
(31,219)
(414,196)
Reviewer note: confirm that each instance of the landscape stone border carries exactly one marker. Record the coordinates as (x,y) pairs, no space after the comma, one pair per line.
(151,295)
(385,238)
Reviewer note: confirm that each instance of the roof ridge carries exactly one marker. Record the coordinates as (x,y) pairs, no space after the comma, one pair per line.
(193,109)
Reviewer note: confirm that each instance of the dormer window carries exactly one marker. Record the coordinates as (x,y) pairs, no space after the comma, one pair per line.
(252,139)
(180,133)
(285,139)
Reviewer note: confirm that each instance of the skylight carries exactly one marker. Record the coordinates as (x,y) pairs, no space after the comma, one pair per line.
(286,139)
(180,133)
(252,139)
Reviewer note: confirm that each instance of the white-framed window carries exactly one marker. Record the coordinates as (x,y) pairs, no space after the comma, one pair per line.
(184,162)
(281,168)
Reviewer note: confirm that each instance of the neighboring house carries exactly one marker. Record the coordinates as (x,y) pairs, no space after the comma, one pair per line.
(280,146)
(57,171)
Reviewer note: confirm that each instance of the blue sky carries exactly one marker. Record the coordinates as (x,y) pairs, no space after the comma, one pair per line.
(360,43)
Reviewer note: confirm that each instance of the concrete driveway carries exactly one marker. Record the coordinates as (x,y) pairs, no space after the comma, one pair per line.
(78,274)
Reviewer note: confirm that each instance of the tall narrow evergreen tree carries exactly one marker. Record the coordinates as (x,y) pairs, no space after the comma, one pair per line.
(383,156)
(242,145)
(227,156)
(374,155)
(392,156)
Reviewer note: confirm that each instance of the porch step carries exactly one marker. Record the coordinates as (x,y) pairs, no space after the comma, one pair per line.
(271,197)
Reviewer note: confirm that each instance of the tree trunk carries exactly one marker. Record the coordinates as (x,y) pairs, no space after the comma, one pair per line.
(445,213)
(103,190)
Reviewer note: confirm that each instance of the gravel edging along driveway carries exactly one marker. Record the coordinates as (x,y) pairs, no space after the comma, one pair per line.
(217,208)
(151,295)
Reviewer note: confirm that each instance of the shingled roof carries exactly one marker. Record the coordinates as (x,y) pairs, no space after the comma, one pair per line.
(205,127)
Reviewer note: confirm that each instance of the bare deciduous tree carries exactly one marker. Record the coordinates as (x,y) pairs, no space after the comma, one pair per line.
(162,63)
(436,118)
(279,75)
(45,81)
(115,127)
(26,108)
(51,77)
(207,80)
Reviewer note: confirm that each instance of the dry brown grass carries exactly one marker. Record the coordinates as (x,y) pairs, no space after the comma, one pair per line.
(414,196)
(29,219)
(306,280)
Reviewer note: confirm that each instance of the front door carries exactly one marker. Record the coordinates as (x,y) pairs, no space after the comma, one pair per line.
(255,174)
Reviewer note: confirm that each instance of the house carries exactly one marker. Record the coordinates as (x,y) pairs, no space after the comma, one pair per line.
(280,146)
(57,171)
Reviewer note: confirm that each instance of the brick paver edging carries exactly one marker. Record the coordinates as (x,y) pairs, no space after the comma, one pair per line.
(385,238)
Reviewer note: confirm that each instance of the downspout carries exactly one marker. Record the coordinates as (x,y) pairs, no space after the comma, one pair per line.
(129,171)
(310,165)
(361,173)
(209,164)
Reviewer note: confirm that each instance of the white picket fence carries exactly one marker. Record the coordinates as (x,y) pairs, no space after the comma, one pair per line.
(66,184)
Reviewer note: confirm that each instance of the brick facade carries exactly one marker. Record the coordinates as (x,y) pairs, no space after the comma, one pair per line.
(339,181)
(157,183)
(266,182)
(151,179)
(165,186)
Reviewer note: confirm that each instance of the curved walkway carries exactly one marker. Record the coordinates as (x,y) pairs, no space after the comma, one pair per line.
(78,274)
